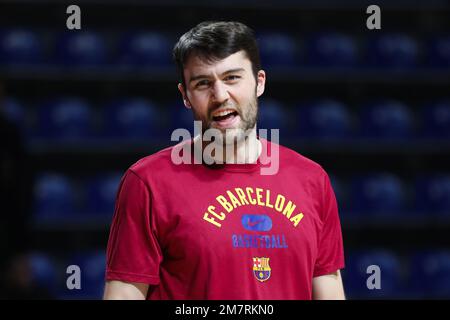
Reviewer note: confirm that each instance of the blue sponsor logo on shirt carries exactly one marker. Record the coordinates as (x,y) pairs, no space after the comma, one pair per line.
(256,222)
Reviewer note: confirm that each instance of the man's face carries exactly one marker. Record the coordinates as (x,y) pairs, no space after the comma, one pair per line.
(223,94)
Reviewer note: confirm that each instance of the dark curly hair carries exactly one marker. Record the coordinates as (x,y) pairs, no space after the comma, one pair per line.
(216,40)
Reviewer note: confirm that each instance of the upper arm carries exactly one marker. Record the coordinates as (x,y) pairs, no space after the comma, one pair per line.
(328,287)
(133,253)
(119,290)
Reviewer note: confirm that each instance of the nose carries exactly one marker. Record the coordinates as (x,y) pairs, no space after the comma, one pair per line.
(219,92)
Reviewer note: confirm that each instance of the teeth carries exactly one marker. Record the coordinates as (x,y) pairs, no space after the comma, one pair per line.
(223,113)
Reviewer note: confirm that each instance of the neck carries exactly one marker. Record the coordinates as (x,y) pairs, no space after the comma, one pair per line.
(246,150)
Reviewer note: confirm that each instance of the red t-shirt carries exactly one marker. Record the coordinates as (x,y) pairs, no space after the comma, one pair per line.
(193,231)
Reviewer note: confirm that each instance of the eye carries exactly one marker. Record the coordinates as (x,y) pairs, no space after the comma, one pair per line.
(232,78)
(202,83)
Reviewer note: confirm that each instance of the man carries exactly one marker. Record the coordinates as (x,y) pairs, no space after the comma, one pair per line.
(221,229)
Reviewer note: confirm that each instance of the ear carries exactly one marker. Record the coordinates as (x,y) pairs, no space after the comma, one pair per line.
(186,102)
(260,82)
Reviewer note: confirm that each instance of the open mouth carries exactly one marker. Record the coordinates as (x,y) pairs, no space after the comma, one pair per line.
(224,115)
(225,118)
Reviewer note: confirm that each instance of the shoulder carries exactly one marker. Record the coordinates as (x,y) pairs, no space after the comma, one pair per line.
(158,162)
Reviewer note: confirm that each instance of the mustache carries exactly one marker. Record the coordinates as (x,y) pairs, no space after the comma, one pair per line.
(224,106)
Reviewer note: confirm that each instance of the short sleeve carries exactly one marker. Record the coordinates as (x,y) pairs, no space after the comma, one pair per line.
(133,252)
(330,256)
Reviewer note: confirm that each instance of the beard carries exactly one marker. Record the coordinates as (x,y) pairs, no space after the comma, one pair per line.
(248,118)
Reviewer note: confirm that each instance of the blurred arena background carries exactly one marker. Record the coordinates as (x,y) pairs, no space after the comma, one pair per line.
(79,107)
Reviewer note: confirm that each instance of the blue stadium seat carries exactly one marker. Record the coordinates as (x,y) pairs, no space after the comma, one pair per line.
(134,118)
(101,194)
(356,275)
(92,265)
(43,270)
(324,119)
(436,118)
(430,274)
(277,49)
(378,195)
(439,52)
(332,50)
(433,194)
(20,47)
(394,51)
(272,115)
(14,111)
(66,118)
(387,119)
(54,197)
(82,49)
(146,48)
(180,116)
(19,114)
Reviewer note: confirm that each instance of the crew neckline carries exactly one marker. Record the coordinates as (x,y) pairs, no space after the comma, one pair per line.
(241,167)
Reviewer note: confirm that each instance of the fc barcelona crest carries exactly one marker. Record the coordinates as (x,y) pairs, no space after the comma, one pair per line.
(261,268)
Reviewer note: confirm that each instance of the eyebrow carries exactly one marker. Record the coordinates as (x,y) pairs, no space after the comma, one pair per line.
(202,76)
